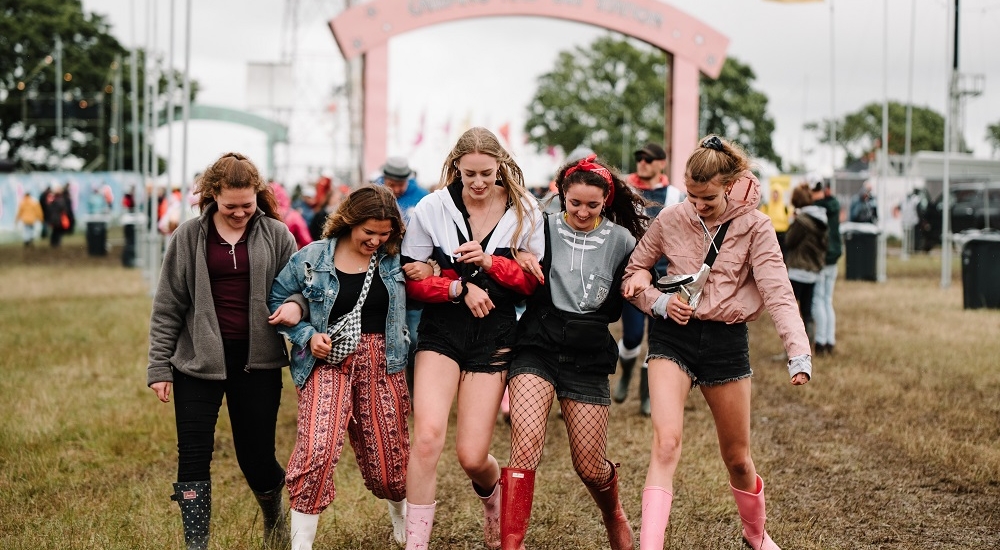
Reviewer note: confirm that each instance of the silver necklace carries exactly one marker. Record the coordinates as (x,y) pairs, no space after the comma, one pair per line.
(489,212)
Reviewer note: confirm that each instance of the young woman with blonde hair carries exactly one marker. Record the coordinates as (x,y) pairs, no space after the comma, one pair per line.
(701,340)
(472,227)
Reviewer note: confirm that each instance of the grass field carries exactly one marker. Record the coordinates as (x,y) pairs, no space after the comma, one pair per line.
(893,445)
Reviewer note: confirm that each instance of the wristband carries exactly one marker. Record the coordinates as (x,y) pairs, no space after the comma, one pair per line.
(461,295)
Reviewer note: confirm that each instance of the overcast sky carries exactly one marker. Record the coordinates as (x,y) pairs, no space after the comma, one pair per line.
(483,72)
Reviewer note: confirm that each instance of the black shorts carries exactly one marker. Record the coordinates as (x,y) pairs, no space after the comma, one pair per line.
(710,352)
(477,345)
(569,382)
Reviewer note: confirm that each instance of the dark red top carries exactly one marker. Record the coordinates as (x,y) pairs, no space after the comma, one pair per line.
(229,272)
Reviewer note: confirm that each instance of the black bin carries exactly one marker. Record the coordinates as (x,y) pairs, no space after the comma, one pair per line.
(129,252)
(981,271)
(860,251)
(97,238)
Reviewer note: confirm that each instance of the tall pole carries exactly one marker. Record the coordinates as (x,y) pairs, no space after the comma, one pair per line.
(907,159)
(186,107)
(59,101)
(883,180)
(171,92)
(833,109)
(946,184)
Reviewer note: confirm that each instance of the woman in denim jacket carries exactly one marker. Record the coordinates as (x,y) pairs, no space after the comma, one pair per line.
(364,395)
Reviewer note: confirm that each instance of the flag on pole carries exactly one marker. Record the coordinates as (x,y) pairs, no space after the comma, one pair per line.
(420,129)
(505,133)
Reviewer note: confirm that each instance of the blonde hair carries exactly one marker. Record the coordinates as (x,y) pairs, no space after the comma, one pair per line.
(481,140)
(714,157)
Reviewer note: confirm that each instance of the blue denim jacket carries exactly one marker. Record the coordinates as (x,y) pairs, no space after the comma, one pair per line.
(310,273)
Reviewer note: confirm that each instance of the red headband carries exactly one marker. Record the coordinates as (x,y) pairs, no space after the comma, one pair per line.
(588,165)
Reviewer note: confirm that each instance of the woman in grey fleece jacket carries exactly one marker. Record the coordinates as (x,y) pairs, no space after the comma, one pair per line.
(209,337)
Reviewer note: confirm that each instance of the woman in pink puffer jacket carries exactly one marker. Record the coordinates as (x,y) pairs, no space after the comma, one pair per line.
(707,345)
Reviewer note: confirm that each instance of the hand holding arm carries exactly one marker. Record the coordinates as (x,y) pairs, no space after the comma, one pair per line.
(288,314)
(673,307)
(637,283)
(418,271)
(530,265)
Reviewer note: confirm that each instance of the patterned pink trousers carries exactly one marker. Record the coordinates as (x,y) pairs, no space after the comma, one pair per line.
(359,397)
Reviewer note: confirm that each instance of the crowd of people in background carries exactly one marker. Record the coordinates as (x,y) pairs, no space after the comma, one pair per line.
(51,215)
(399,302)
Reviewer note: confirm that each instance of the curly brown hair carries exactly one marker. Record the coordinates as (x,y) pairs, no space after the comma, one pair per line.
(235,171)
(368,202)
(627,209)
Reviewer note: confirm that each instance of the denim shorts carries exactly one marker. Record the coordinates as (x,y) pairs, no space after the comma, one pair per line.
(710,352)
(477,345)
(583,387)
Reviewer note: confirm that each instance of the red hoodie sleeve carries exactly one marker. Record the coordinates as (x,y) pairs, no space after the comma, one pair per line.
(509,274)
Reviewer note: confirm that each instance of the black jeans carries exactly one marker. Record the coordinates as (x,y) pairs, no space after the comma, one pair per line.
(252,399)
(804,296)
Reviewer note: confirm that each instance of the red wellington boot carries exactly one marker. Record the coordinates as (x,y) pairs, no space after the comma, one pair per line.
(619,531)
(517,492)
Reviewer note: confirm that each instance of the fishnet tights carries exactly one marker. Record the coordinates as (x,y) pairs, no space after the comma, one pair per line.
(586,424)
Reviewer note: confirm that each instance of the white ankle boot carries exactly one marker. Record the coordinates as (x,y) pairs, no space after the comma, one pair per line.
(397,514)
(303,530)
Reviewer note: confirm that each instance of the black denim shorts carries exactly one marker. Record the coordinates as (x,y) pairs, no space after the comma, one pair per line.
(584,387)
(477,345)
(710,352)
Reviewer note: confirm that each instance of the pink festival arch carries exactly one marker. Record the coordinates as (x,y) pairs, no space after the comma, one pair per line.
(695,47)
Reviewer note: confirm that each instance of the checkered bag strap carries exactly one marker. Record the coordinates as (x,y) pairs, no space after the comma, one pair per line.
(353,317)
(365,287)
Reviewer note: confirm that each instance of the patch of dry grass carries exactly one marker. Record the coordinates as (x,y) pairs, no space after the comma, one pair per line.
(892,446)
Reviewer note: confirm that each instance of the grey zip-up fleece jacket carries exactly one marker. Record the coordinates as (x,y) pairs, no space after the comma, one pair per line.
(183,328)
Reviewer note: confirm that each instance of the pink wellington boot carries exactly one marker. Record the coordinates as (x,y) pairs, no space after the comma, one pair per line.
(419,522)
(753,516)
(655,516)
(491,517)
(505,405)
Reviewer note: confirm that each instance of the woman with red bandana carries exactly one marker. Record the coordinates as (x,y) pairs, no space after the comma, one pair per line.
(564,348)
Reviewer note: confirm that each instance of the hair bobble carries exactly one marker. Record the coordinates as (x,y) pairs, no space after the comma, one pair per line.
(713,143)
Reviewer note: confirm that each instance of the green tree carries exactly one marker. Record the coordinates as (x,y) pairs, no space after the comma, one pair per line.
(993,136)
(860,132)
(28,129)
(731,108)
(609,95)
